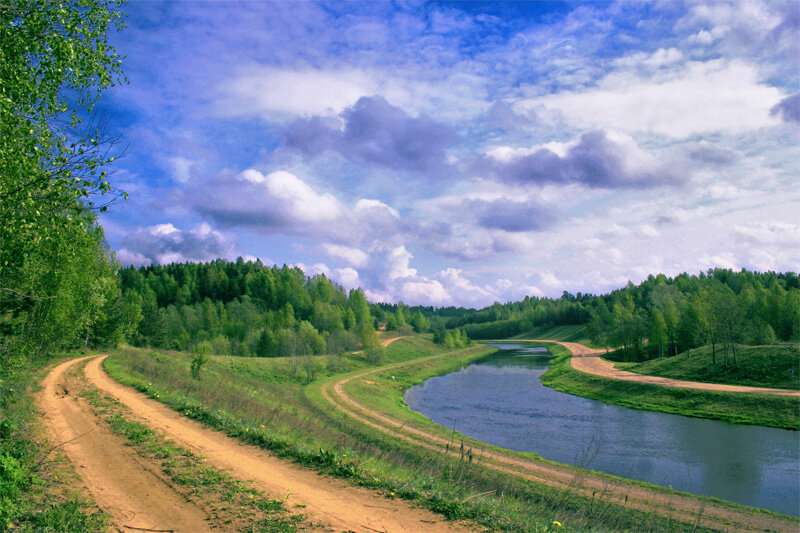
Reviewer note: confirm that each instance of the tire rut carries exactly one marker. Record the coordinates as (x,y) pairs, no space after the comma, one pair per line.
(335,504)
(135,498)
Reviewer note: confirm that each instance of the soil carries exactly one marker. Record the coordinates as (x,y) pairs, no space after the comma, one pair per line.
(333,503)
(123,487)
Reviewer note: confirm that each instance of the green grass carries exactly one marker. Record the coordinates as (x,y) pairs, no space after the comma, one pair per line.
(261,402)
(572,333)
(776,366)
(216,489)
(739,408)
(33,492)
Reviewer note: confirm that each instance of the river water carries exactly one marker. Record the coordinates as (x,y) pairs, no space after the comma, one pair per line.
(500,400)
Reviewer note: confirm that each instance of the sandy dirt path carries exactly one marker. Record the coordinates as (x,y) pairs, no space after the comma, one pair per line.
(136,498)
(331,502)
(713,515)
(589,360)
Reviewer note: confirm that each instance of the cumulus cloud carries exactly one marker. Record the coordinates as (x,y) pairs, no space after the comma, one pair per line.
(788,108)
(375,132)
(282,203)
(600,159)
(350,255)
(164,243)
(278,202)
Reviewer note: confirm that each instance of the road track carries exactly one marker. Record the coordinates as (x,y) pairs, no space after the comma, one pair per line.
(590,360)
(677,506)
(333,503)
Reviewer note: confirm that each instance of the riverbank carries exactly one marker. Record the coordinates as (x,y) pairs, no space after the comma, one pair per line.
(776,366)
(262,402)
(374,398)
(738,408)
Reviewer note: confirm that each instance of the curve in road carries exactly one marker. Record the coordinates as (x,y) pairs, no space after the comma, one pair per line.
(590,360)
(668,504)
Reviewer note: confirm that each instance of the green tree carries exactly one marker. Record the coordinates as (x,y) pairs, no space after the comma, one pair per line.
(55,61)
(657,333)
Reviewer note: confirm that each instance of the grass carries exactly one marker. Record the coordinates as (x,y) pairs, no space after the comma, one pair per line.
(776,366)
(37,488)
(262,402)
(244,508)
(383,391)
(739,408)
(572,333)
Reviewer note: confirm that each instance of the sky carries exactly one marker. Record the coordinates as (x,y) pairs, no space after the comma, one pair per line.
(460,153)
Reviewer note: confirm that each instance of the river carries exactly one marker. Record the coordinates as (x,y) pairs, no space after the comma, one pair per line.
(500,400)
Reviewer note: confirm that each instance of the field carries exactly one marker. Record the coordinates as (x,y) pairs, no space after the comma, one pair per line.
(282,407)
(776,366)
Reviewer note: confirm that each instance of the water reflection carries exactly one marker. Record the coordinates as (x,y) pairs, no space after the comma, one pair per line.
(500,400)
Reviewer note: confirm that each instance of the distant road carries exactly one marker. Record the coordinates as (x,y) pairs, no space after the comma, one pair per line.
(589,360)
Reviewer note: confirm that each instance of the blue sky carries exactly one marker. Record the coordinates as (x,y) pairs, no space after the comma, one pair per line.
(460,153)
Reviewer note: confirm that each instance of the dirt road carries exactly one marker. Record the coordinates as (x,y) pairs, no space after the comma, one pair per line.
(686,509)
(589,360)
(327,501)
(136,498)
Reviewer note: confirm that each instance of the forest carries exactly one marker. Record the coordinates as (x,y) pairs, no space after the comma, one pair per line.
(245,308)
(662,315)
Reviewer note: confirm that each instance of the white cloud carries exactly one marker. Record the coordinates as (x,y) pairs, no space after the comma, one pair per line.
(277,92)
(702,97)
(770,232)
(347,277)
(352,256)
(427,292)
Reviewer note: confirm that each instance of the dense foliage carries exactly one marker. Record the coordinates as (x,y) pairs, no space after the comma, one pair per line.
(660,316)
(56,282)
(246,308)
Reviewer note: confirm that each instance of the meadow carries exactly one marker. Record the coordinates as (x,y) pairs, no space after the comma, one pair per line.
(279,405)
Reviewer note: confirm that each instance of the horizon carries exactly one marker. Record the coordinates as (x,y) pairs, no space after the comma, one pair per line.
(460,153)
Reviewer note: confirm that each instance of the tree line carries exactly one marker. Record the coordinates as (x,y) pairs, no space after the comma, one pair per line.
(719,308)
(57,280)
(247,309)
(660,316)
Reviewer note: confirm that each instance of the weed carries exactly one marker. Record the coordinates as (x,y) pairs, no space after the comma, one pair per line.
(261,402)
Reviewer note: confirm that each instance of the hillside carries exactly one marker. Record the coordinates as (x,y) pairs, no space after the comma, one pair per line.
(776,366)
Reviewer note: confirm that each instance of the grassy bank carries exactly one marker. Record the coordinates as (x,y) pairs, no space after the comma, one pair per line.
(775,366)
(762,410)
(262,402)
(574,333)
(38,490)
